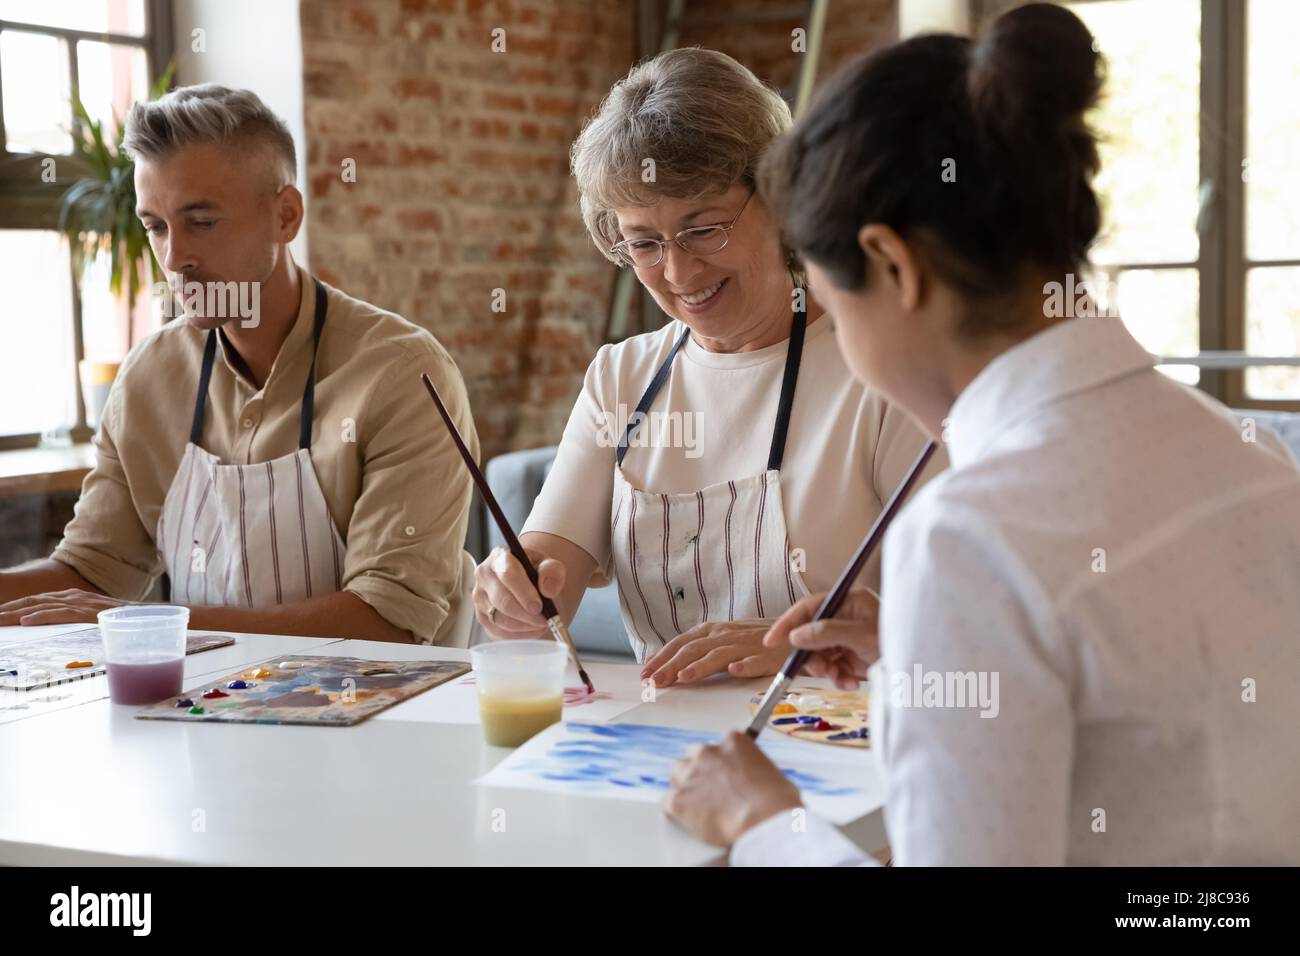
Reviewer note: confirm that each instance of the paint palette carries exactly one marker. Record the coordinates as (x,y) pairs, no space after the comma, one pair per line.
(36,665)
(822,714)
(312,690)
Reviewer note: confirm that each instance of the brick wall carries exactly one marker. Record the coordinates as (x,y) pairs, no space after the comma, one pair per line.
(764,46)
(462,182)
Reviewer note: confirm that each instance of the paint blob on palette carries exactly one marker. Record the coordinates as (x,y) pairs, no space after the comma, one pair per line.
(633,762)
(36,665)
(825,715)
(317,691)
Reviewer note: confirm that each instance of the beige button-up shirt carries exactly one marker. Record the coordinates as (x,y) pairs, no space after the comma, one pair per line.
(395,485)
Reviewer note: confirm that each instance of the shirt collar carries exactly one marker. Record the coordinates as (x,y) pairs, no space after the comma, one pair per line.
(299,337)
(1071,356)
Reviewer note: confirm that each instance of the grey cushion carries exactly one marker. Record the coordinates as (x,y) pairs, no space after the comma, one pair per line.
(516,479)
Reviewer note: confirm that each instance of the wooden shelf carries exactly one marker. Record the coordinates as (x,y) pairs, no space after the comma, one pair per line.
(44,471)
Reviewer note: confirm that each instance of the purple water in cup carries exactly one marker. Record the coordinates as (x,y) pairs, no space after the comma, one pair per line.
(144,650)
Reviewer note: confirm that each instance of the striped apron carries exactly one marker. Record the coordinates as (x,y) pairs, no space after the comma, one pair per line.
(718,554)
(249,535)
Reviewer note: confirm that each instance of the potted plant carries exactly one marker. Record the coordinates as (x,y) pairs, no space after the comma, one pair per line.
(97,214)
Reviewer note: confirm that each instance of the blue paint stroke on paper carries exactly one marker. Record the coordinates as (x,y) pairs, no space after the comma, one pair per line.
(638,756)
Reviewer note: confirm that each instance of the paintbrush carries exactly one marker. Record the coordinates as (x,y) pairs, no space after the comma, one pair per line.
(835,598)
(553,620)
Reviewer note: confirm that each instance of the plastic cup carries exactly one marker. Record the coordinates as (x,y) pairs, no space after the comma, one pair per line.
(520,688)
(144,649)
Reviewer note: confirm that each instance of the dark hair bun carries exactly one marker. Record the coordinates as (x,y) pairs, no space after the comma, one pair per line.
(978,151)
(1035,66)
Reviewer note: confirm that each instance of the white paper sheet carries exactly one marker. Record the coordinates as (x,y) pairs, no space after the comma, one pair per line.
(618,689)
(17,633)
(632,762)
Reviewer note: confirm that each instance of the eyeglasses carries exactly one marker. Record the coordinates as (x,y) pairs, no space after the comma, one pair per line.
(646,253)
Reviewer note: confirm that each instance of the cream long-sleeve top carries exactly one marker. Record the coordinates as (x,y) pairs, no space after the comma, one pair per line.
(1124,555)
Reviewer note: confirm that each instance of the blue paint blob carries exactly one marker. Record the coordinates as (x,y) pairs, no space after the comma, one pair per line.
(860,734)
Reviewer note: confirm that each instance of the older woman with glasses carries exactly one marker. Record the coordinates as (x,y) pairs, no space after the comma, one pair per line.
(722,467)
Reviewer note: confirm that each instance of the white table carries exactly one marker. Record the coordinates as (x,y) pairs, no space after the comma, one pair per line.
(83,782)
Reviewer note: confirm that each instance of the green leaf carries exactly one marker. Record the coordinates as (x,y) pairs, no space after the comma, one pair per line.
(97,211)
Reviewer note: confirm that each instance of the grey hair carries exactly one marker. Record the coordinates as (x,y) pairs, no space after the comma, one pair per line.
(703,118)
(207,114)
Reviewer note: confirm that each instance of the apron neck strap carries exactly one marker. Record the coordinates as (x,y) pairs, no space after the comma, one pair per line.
(205,374)
(790,378)
(308,392)
(793,356)
(648,398)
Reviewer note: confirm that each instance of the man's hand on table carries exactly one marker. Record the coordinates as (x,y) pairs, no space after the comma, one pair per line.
(73,606)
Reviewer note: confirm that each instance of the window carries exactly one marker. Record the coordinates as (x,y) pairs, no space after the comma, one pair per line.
(1200,250)
(108,51)
(1149,247)
(36,396)
(1272,197)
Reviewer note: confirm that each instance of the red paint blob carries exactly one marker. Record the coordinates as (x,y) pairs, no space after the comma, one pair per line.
(577,696)
(818,727)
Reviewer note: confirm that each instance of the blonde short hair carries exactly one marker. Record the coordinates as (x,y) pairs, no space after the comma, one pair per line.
(703,119)
(208,114)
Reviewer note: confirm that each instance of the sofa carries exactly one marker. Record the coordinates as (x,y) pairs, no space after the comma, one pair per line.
(516,478)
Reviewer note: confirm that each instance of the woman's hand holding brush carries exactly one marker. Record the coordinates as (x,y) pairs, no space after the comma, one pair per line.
(842,647)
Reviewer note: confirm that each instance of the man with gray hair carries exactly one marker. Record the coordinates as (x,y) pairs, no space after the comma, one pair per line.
(273,452)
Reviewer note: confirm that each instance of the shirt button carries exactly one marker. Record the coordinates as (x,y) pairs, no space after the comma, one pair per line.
(248,423)
(410,531)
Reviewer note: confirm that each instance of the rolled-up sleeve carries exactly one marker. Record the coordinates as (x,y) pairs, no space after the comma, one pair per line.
(407,531)
(106,542)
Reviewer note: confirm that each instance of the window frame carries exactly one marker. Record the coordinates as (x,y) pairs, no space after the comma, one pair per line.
(30,203)
(1221,262)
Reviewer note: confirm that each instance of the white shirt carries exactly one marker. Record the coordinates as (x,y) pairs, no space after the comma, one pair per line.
(721,408)
(1124,557)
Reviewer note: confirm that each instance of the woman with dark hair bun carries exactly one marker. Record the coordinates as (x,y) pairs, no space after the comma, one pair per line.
(1088,636)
